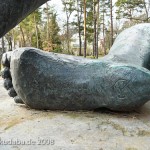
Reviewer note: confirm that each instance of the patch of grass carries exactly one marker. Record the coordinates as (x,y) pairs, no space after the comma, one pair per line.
(12,123)
(125,132)
(72,115)
(115,126)
(119,127)
(130,148)
(92,57)
(143,133)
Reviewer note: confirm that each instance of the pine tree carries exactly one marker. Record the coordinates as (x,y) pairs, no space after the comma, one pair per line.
(68,9)
(129,9)
(51,40)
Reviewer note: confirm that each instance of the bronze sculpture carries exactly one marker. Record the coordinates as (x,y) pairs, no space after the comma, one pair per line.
(119,81)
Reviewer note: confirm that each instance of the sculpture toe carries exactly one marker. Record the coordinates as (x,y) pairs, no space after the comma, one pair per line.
(6,74)
(8,84)
(12,92)
(18,100)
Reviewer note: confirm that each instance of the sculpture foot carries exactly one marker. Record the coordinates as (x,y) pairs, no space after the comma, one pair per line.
(61,82)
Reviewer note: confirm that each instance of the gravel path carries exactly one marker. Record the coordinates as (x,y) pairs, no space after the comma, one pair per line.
(22,128)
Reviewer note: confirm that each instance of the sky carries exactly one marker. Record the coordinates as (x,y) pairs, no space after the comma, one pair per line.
(59,9)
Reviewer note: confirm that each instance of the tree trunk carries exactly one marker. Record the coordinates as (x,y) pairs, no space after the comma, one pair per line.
(93,49)
(85,28)
(94,39)
(47,14)
(36,32)
(3,45)
(3,50)
(23,37)
(97,38)
(13,37)
(111,17)
(104,47)
(68,7)
(80,43)
(10,43)
(68,43)
(146,11)
(79,27)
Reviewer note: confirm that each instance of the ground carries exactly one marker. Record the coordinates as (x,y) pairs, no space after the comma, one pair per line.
(22,128)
